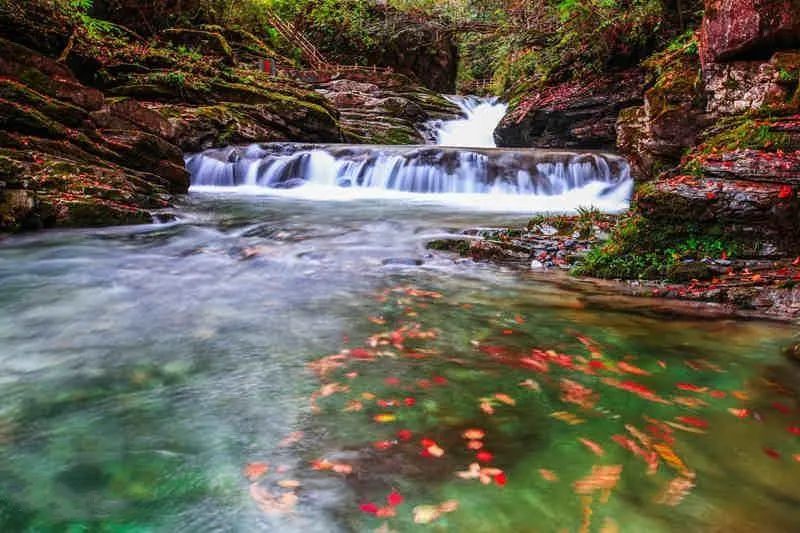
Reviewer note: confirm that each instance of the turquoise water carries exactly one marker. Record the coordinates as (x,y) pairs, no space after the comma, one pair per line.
(320,351)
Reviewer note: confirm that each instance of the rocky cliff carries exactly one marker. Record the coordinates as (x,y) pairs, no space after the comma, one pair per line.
(716,145)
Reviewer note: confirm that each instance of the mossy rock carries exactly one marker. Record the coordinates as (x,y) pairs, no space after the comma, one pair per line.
(65,113)
(688,271)
(25,119)
(206,42)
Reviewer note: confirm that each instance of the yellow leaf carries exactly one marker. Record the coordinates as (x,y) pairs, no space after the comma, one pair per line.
(505,398)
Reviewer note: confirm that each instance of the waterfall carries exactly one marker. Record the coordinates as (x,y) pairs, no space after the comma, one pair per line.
(496,179)
(476,129)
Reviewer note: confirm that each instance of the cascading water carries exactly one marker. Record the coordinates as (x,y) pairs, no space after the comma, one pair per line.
(476,129)
(464,169)
(487,179)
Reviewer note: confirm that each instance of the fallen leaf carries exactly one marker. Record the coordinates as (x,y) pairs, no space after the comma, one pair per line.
(425,514)
(394,498)
(473,434)
(253,471)
(600,478)
(384,418)
(289,483)
(548,475)
(593,446)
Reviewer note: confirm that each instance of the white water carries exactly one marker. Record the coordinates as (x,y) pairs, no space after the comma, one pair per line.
(464,170)
(477,179)
(477,128)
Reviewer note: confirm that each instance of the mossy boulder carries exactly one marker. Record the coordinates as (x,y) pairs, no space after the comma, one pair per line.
(208,43)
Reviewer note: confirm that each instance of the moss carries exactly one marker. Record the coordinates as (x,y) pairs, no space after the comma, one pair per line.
(459,246)
(19,117)
(63,112)
(640,248)
(744,132)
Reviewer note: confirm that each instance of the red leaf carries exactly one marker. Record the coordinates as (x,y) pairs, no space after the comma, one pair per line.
(794,430)
(785,192)
(500,478)
(690,387)
(369,508)
(775,454)
(394,498)
(484,457)
(404,434)
(785,409)
(410,401)
(693,421)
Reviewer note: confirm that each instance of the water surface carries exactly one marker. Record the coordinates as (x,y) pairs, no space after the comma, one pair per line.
(144,368)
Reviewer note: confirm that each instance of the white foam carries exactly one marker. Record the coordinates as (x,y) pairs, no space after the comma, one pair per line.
(603,196)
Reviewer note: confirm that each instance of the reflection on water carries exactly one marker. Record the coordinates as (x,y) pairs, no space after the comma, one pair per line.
(143,369)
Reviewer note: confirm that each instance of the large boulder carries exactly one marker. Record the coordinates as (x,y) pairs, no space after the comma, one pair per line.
(655,135)
(576,114)
(748,29)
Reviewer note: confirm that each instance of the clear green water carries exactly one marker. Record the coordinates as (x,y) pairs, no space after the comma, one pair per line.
(143,369)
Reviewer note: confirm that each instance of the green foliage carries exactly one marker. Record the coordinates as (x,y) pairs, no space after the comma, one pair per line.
(642,249)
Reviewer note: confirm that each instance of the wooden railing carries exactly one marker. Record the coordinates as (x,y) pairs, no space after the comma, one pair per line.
(288,31)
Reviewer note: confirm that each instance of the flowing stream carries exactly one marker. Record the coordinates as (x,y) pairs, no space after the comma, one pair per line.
(281,360)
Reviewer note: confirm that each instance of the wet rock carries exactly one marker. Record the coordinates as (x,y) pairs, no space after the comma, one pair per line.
(402,261)
(385,109)
(655,136)
(572,115)
(737,29)
(690,270)
(207,42)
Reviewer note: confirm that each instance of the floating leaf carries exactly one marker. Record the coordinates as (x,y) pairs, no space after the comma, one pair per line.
(384,418)
(548,475)
(671,458)
(631,369)
(289,483)
(567,417)
(593,446)
(505,398)
(253,471)
(369,508)
(600,478)
(484,457)
(775,454)
(676,491)
(473,434)
(425,514)
(394,498)
(474,444)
